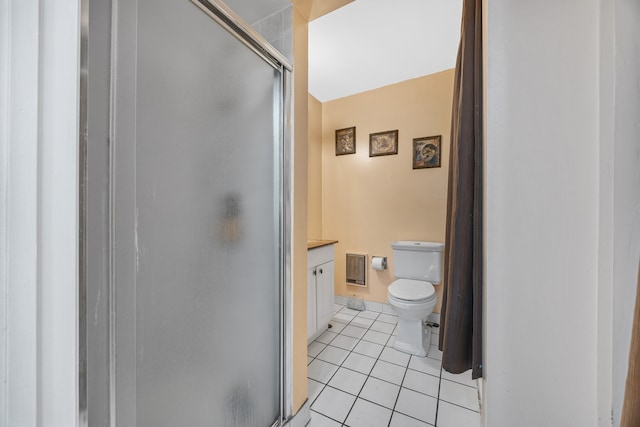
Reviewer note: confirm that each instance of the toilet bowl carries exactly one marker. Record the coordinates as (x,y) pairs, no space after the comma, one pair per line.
(417,266)
(413,301)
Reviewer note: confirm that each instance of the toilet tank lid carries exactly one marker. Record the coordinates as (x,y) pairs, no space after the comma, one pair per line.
(411,245)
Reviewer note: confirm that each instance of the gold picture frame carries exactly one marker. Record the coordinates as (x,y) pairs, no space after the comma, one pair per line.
(383,143)
(346,141)
(426,152)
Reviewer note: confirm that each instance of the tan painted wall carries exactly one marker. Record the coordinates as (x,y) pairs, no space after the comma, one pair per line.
(303,12)
(369,202)
(314,196)
(300,113)
(313,9)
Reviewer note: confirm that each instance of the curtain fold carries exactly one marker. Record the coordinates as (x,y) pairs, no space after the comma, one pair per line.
(631,405)
(461,313)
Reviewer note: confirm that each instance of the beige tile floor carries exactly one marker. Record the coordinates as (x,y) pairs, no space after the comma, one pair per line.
(357,379)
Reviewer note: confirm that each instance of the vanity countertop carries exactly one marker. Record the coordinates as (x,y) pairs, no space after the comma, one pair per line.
(312,244)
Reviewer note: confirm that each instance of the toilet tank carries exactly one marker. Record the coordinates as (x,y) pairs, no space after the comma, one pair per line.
(417,260)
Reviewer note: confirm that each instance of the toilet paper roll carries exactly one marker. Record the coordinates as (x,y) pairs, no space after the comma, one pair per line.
(379,263)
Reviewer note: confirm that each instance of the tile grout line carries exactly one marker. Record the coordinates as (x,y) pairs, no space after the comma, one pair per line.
(339,366)
(406,368)
(369,374)
(324,385)
(393,411)
(376,361)
(438,401)
(384,346)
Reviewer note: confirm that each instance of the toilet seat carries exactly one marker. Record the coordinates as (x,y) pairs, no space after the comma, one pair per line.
(412,290)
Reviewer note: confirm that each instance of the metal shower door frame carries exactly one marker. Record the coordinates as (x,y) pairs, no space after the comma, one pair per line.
(222,14)
(123,13)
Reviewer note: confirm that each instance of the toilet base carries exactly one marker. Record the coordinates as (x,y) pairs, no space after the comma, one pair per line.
(412,337)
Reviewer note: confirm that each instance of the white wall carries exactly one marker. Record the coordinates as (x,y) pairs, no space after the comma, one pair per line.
(19,124)
(542,208)
(604,313)
(563,206)
(544,106)
(39,57)
(626,197)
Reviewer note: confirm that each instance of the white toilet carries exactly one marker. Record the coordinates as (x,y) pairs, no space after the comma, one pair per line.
(416,266)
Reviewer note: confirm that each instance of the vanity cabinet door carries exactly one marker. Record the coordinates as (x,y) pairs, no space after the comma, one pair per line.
(320,292)
(324,293)
(311,302)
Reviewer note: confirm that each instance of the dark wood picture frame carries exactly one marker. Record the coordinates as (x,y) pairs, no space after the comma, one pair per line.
(383,143)
(427,152)
(346,141)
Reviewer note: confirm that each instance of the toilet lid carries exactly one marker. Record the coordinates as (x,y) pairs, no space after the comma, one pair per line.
(412,290)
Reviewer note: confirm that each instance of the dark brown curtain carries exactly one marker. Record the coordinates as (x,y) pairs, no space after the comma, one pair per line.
(461,314)
(631,408)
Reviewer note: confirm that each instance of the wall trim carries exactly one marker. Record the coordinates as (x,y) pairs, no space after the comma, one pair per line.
(38,220)
(301,418)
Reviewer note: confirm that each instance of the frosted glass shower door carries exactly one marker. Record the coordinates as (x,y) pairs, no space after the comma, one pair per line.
(198,224)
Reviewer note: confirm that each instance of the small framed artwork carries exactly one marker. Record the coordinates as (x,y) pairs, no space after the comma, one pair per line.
(346,141)
(426,152)
(383,143)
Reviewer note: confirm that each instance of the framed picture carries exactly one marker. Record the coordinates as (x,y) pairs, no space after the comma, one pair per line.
(383,143)
(346,141)
(426,152)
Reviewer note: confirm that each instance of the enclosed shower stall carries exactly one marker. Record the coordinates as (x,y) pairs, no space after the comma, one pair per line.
(185,219)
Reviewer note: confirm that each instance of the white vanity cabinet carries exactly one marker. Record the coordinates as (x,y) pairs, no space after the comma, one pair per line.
(320,293)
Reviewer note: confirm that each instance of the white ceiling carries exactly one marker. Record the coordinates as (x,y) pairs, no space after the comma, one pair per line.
(368,44)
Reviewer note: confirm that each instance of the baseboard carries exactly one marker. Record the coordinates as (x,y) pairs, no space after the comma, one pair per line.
(374,306)
(387,309)
(434,317)
(301,418)
(379,307)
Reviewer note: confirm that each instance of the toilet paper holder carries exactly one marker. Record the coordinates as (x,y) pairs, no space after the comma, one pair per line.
(379,262)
